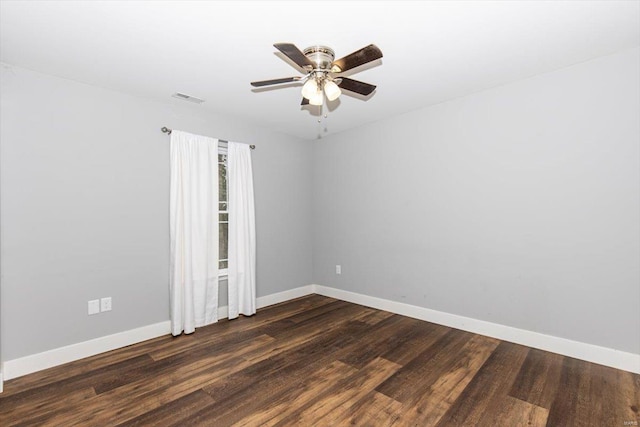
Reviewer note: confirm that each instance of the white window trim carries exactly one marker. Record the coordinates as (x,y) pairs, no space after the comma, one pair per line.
(222,149)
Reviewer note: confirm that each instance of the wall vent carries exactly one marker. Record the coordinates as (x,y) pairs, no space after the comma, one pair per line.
(189,98)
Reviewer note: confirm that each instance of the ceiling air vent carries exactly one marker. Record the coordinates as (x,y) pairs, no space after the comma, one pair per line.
(189,98)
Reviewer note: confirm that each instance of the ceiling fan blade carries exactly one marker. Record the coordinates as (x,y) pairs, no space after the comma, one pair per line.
(294,54)
(356,86)
(357,58)
(305,101)
(275,81)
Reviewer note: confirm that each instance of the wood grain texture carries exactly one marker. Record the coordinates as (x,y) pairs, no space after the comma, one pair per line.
(316,361)
(538,379)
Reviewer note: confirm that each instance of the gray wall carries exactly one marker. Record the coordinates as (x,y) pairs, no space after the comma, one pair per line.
(518,205)
(84,187)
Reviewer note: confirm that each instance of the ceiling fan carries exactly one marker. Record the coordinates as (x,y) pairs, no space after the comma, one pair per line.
(322,73)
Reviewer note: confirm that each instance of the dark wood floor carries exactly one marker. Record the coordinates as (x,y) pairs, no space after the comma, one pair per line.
(318,361)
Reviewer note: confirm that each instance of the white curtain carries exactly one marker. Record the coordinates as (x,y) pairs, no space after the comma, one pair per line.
(242,232)
(194,232)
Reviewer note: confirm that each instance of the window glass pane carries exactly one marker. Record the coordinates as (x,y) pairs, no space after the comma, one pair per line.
(222,207)
(223,264)
(224,217)
(223,242)
(222,182)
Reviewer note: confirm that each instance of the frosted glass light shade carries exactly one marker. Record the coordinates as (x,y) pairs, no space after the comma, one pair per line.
(316,98)
(310,88)
(331,90)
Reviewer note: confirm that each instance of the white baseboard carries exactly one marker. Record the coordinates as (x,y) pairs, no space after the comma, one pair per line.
(287,295)
(47,359)
(267,300)
(37,362)
(589,352)
(579,350)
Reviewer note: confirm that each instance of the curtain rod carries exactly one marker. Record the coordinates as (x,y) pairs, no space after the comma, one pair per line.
(166,130)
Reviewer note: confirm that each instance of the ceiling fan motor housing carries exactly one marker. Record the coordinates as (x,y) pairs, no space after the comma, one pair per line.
(322,56)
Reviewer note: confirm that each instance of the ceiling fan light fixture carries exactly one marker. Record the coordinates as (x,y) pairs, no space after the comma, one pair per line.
(331,90)
(316,98)
(310,88)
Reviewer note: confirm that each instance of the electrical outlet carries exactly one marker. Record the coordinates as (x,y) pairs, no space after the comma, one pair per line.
(338,269)
(94,306)
(105,304)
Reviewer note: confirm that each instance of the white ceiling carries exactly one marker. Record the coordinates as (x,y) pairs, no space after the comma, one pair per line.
(433,51)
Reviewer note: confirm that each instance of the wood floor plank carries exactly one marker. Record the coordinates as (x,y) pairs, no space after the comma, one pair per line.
(287,368)
(567,406)
(334,343)
(18,404)
(79,367)
(373,409)
(628,387)
(172,412)
(382,338)
(245,326)
(334,313)
(422,366)
(337,399)
(516,413)
(301,394)
(314,332)
(42,409)
(607,401)
(406,347)
(269,382)
(491,384)
(445,381)
(377,316)
(319,361)
(172,380)
(538,379)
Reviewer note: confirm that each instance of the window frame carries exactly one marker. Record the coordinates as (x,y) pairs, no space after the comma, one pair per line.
(222,150)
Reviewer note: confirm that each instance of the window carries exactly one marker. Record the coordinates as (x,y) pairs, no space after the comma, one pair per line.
(223,213)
